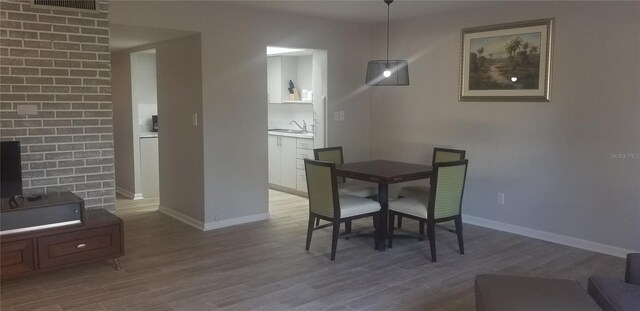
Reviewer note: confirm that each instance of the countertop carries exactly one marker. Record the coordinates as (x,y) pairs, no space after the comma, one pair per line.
(307,135)
(148,134)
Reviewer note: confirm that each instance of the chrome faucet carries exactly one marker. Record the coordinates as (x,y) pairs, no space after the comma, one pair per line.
(303,127)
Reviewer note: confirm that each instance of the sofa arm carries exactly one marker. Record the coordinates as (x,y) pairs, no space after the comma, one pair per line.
(632,275)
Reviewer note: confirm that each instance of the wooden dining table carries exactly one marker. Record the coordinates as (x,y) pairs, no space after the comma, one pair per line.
(383,173)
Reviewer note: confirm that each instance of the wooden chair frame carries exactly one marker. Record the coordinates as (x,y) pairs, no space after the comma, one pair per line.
(336,220)
(431,220)
(462,154)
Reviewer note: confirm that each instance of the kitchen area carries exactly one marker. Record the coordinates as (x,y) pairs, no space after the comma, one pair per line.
(137,154)
(296,98)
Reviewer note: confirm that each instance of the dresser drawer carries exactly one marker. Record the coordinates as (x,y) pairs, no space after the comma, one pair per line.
(301,181)
(85,245)
(305,144)
(16,257)
(300,164)
(304,154)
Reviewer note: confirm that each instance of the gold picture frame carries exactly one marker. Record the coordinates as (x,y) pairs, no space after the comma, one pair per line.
(507,62)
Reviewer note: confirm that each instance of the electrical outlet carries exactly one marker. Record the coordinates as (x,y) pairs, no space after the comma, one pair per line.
(337,116)
(194,120)
(341,115)
(501,198)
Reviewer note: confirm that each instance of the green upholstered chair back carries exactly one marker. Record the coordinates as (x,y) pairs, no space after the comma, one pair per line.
(447,189)
(446,155)
(330,154)
(322,188)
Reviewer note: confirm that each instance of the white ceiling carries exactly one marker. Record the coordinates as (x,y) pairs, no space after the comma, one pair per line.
(361,11)
(127,36)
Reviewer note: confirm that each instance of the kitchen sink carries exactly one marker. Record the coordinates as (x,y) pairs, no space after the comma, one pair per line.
(290,131)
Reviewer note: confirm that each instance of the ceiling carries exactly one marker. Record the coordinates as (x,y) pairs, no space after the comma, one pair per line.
(360,11)
(127,36)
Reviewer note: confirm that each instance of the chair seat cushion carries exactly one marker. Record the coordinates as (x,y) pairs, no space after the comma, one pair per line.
(414,191)
(353,206)
(515,293)
(357,188)
(613,294)
(415,206)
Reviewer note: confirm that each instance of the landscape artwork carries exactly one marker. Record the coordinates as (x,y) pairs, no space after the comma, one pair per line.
(508,62)
(505,62)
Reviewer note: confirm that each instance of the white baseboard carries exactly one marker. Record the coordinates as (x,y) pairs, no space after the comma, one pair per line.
(214,224)
(182,217)
(235,221)
(129,194)
(548,236)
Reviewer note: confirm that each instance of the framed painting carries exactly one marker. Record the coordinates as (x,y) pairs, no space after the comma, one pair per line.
(507,62)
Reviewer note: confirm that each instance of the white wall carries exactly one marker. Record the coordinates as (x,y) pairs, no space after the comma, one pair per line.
(280,115)
(122,122)
(234,90)
(180,144)
(552,160)
(177,71)
(145,93)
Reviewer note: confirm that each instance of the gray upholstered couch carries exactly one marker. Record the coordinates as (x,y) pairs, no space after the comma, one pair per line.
(613,294)
(516,293)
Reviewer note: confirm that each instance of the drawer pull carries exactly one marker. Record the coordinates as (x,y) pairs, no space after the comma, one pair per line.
(81,245)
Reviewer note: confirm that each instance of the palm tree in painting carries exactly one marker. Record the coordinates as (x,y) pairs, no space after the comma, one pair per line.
(513,45)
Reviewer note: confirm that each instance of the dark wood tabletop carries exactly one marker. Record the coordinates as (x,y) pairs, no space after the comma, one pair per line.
(383,173)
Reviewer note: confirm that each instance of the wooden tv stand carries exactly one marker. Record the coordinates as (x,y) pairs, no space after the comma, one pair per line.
(99,237)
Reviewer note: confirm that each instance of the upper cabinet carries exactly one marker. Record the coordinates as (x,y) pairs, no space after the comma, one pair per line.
(281,70)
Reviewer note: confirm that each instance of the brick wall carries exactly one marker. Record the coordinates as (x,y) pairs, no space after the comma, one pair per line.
(59,60)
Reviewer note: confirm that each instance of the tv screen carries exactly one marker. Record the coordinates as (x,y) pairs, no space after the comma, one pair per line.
(10,169)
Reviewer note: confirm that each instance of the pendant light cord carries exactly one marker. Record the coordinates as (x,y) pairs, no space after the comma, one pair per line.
(388,9)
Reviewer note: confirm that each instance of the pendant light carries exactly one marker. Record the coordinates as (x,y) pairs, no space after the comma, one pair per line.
(388,72)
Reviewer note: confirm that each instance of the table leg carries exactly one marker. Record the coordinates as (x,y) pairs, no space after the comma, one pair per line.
(383,199)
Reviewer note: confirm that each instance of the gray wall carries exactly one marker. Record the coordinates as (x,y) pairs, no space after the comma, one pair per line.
(179,96)
(59,60)
(234,72)
(552,160)
(123,121)
(179,69)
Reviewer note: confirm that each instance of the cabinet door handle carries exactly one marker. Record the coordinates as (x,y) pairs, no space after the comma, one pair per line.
(81,245)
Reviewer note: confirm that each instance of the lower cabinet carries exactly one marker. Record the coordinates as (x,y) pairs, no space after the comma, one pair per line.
(282,161)
(99,237)
(286,161)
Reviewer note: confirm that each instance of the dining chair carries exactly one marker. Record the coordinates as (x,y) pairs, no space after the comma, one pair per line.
(439,155)
(442,203)
(326,203)
(351,187)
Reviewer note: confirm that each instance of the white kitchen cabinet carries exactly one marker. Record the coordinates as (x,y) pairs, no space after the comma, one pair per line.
(280,69)
(282,161)
(304,150)
(149,167)
(274,81)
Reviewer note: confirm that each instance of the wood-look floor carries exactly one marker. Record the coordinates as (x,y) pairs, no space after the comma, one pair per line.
(263,266)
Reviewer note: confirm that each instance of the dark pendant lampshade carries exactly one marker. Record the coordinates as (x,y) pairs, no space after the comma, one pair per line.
(399,72)
(387,72)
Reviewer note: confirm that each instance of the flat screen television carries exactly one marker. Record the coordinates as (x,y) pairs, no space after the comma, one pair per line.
(10,169)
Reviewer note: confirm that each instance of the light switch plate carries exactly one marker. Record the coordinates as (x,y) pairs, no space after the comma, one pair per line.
(195,119)
(337,115)
(341,115)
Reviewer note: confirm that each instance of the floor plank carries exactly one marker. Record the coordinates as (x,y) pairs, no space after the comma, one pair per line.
(263,266)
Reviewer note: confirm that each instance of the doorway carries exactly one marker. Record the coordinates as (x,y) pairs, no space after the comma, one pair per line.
(296,99)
